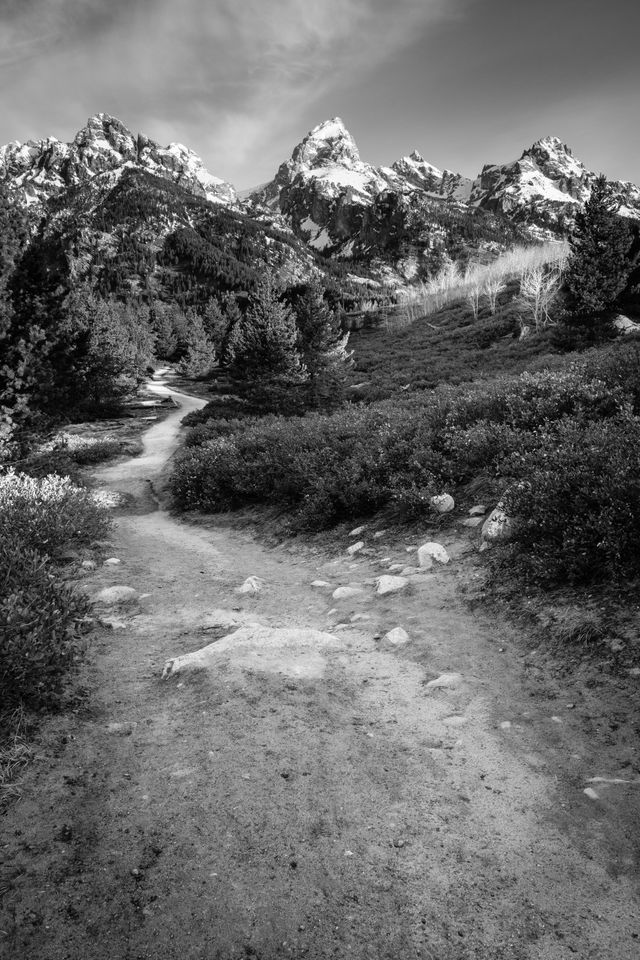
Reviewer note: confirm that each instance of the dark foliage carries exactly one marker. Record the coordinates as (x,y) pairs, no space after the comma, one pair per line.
(599,264)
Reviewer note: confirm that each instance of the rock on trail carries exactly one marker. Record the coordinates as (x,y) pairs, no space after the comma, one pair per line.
(294,652)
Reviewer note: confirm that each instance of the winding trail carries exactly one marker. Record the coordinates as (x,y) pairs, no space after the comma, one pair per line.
(328,803)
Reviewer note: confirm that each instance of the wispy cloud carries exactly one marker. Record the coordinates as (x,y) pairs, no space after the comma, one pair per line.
(227,76)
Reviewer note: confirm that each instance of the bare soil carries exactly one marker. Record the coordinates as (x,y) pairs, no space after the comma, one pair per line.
(320,803)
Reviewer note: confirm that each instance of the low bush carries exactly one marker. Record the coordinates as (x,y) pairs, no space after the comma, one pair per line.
(562,443)
(38,617)
(45,514)
(86,450)
(39,517)
(576,501)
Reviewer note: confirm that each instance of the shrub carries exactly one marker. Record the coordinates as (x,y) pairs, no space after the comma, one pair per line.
(577,503)
(46,514)
(86,450)
(400,452)
(37,618)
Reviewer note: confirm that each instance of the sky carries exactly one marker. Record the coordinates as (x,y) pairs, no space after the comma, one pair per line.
(465,82)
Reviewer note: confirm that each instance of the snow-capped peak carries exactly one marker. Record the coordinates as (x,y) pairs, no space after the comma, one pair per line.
(416,172)
(550,145)
(328,143)
(330,129)
(546,178)
(43,168)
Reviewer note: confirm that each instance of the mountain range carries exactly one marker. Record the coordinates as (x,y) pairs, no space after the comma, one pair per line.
(391,223)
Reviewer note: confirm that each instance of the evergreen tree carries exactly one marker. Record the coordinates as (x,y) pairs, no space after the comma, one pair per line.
(599,265)
(323,346)
(109,346)
(266,359)
(16,346)
(164,329)
(233,319)
(215,322)
(201,355)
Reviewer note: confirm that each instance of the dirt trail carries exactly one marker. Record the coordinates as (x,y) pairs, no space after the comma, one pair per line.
(325,804)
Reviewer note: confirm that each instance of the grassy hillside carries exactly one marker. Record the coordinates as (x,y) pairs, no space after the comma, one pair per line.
(449,346)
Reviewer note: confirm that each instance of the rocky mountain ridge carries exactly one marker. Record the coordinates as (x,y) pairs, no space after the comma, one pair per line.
(324,187)
(397,223)
(546,184)
(41,169)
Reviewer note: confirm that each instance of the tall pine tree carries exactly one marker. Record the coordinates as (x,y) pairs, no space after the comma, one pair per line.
(323,345)
(598,267)
(267,363)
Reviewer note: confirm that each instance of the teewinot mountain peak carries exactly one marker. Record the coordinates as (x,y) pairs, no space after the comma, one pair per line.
(40,169)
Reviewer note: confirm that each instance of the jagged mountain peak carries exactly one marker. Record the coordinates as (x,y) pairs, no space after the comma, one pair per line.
(550,153)
(103,135)
(545,184)
(328,143)
(103,124)
(549,144)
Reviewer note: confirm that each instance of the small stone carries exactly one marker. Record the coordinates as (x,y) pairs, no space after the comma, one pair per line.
(478,511)
(115,594)
(407,571)
(320,584)
(399,843)
(505,725)
(446,680)
(431,551)
(113,623)
(123,729)
(472,522)
(557,719)
(88,565)
(625,325)
(357,531)
(396,566)
(251,585)
(591,793)
(378,534)
(443,503)
(397,637)
(346,593)
(355,548)
(388,584)
(112,562)
(498,526)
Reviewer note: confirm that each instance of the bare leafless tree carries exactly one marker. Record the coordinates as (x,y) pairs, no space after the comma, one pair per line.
(538,290)
(494,285)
